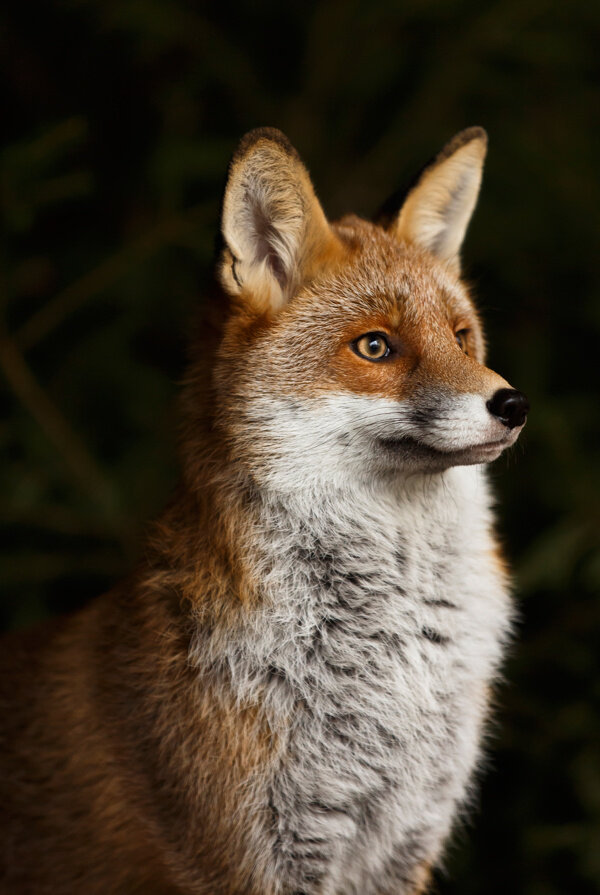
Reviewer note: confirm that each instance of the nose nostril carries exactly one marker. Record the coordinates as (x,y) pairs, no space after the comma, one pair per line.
(510,406)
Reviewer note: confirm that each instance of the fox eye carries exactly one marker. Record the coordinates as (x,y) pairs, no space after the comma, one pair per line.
(461,339)
(373,346)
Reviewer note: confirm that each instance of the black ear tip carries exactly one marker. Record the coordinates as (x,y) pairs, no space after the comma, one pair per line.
(463,138)
(473,133)
(263,135)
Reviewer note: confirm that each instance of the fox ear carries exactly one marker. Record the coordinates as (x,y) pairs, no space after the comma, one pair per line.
(272,223)
(437,209)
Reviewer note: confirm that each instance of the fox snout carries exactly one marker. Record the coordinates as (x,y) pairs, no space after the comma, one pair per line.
(447,429)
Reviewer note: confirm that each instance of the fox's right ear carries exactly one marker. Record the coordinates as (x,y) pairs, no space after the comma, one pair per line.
(273,225)
(437,209)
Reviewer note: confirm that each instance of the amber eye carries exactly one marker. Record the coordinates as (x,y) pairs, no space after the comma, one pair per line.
(373,346)
(461,339)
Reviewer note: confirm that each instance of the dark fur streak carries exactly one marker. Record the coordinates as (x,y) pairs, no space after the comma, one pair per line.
(434,636)
(331,624)
(442,604)
(275,673)
(306,840)
(275,823)
(400,558)
(234,272)
(340,669)
(388,738)
(322,808)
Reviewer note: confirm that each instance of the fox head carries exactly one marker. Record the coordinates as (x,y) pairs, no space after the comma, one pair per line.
(353,348)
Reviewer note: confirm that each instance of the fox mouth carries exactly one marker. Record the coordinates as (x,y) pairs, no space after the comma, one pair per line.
(415,452)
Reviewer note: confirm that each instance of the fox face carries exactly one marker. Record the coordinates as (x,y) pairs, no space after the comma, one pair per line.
(355,347)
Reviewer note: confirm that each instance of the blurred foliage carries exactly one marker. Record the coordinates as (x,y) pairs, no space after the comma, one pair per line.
(119,118)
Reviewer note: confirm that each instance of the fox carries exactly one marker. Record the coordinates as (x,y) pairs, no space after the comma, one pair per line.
(290,693)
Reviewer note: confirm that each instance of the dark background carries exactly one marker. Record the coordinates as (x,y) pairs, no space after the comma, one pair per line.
(119,117)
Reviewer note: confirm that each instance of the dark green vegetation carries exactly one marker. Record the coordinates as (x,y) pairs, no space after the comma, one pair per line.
(120,117)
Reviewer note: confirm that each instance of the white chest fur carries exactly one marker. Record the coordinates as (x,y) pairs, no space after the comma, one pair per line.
(382,627)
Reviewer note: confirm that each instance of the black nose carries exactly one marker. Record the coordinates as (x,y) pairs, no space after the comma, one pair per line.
(510,406)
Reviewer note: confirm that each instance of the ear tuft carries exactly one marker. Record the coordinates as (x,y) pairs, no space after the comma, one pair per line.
(438,208)
(271,220)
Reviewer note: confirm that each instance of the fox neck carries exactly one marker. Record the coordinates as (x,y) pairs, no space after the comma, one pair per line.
(240,539)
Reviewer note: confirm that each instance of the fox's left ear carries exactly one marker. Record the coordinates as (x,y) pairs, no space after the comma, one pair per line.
(274,229)
(437,209)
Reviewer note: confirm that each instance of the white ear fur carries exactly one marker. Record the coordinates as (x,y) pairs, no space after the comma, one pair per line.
(437,210)
(271,220)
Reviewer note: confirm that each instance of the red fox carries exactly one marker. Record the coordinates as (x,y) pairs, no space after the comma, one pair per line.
(287,697)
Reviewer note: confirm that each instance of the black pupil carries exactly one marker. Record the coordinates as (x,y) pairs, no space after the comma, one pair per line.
(374,345)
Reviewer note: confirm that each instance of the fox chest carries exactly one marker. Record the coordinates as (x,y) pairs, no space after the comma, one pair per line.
(384,651)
